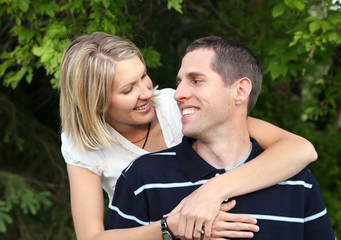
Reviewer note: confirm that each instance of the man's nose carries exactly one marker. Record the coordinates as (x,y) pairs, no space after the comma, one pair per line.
(181,92)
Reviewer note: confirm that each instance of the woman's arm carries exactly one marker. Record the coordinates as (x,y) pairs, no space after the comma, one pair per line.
(86,202)
(285,155)
(87,212)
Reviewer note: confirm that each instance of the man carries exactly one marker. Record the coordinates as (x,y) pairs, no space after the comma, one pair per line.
(219,83)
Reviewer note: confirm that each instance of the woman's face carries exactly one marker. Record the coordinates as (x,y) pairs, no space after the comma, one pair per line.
(131,93)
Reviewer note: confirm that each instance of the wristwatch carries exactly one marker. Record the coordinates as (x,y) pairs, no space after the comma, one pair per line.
(166,232)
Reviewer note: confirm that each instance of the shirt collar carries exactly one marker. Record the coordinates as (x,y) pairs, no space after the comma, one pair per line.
(196,168)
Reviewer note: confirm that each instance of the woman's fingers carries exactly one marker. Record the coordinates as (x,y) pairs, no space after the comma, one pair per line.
(198,231)
(227,206)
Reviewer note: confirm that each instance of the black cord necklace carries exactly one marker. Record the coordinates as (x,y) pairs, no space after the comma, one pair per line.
(145,141)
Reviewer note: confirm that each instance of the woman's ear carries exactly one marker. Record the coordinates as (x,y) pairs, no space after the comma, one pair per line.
(243,90)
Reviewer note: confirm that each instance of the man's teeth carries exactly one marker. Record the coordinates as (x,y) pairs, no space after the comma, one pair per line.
(142,107)
(188,111)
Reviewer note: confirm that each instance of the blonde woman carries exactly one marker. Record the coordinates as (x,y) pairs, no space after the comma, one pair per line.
(110,115)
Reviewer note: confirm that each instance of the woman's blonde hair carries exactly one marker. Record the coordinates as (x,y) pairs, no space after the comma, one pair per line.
(86,78)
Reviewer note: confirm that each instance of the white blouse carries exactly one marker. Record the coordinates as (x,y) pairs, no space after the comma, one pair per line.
(109,162)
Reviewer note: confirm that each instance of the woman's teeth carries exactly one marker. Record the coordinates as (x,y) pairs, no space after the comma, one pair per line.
(142,107)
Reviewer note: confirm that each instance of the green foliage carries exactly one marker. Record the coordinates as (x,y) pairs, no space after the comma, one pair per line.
(19,192)
(4,217)
(33,182)
(40,30)
(176,4)
(298,42)
(152,57)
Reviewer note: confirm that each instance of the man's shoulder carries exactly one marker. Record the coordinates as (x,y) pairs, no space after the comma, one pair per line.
(151,162)
(256,149)
(305,175)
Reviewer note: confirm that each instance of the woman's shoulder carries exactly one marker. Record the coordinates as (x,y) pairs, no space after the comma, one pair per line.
(165,102)
(165,93)
(73,155)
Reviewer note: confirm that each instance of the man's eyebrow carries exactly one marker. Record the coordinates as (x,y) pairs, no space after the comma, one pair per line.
(194,74)
(191,75)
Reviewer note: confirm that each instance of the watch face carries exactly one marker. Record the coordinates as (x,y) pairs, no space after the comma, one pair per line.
(166,236)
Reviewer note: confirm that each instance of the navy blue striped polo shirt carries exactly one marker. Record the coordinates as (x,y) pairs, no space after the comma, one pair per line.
(154,184)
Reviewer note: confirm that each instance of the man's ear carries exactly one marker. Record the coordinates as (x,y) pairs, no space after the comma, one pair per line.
(243,90)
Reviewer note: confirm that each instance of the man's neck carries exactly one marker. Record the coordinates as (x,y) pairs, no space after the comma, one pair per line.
(225,150)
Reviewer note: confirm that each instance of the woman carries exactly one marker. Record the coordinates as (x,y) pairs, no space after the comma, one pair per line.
(110,115)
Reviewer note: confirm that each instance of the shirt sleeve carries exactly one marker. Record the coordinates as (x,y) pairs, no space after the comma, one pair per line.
(317,224)
(126,210)
(74,156)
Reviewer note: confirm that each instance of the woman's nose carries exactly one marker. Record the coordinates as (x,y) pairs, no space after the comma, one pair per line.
(146,92)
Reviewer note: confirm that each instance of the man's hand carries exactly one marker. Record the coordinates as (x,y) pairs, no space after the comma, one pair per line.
(198,211)
(229,225)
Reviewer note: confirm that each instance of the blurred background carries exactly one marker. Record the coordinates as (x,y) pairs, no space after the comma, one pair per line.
(298,43)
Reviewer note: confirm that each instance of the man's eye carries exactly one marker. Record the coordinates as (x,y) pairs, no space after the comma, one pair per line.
(178,81)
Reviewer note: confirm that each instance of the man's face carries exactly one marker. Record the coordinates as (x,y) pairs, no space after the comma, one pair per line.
(203,98)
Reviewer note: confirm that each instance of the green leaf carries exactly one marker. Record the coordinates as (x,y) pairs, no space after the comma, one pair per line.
(106,3)
(334,37)
(152,57)
(38,51)
(176,5)
(23,5)
(314,26)
(326,25)
(278,10)
(290,3)
(13,78)
(6,64)
(299,5)
(4,218)
(29,76)
(275,69)
(297,36)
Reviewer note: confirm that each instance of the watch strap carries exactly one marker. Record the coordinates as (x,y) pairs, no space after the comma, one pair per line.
(165,228)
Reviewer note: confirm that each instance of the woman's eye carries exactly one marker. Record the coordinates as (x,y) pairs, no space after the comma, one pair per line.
(128,90)
(144,75)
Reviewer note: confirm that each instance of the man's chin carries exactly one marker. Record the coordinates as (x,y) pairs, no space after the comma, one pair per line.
(189,133)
